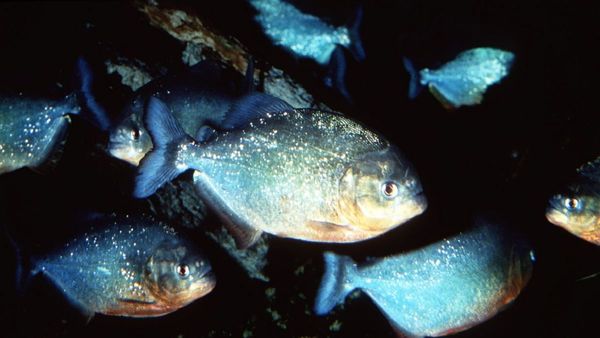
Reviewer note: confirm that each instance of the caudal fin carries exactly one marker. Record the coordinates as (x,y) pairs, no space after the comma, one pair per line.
(22,264)
(414,86)
(98,115)
(356,47)
(336,73)
(159,165)
(336,282)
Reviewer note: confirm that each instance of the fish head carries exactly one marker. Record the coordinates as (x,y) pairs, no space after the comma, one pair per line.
(177,274)
(577,211)
(380,191)
(129,141)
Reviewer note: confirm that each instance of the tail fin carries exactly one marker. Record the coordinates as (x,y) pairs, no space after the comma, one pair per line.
(414,86)
(23,265)
(158,166)
(336,74)
(336,282)
(356,47)
(98,113)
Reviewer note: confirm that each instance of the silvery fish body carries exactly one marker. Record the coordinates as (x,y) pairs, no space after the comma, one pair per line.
(199,96)
(298,173)
(577,208)
(442,288)
(304,34)
(31,129)
(464,80)
(129,267)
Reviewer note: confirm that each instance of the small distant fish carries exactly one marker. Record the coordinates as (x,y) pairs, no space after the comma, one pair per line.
(308,36)
(577,209)
(31,129)
(437,290)
(129,267)
(464,80)
(197,97)
(299,173)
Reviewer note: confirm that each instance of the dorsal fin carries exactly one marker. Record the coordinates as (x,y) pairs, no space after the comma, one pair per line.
(253,106)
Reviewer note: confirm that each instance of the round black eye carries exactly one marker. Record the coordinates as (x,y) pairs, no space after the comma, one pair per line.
(389,189)
(135,134)
(183,270)
(571,203)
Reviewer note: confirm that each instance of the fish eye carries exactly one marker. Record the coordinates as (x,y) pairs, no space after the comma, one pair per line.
(183,270)
(572,203)
(135,134)
(389,189)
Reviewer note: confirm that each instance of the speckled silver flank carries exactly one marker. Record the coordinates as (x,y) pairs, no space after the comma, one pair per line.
(304,34)
(464,80)
(442,288)
(129,268)
(30,129)
(283,174)
(200,96)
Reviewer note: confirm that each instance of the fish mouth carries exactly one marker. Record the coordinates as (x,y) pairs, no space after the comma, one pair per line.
(126,153)
(205,284)
(420,202)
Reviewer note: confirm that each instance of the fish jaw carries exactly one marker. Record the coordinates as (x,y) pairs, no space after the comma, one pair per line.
(584,228)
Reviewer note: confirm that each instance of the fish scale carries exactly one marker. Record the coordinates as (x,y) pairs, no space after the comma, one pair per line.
(445,287)
(298,173)
(129,266)
(31,129)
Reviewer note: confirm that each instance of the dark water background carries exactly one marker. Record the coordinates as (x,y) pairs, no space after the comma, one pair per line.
(507,155)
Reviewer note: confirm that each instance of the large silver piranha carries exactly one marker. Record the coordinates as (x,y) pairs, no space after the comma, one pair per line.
(440,289)
(132,267)
(299,173)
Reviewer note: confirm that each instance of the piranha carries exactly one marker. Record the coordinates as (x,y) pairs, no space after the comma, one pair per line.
(464,80)
(32,129)
(577,209)
(199,96)
(298,173)
(437,290)
(129,266)
(307,36)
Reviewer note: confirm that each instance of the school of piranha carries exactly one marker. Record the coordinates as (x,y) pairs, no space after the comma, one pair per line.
(265,167)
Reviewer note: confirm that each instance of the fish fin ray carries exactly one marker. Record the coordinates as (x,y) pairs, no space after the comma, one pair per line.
(446,103)
(356,47)
(336,73)
(243,235)
(253,106)
(97,114)
(414,85)
(136,301)
(158,166)
(334,287)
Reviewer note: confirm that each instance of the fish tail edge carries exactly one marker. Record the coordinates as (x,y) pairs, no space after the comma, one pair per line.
(159,165)
(23,264)
(356,46)
(414,85)
(93,110)
(335,285)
